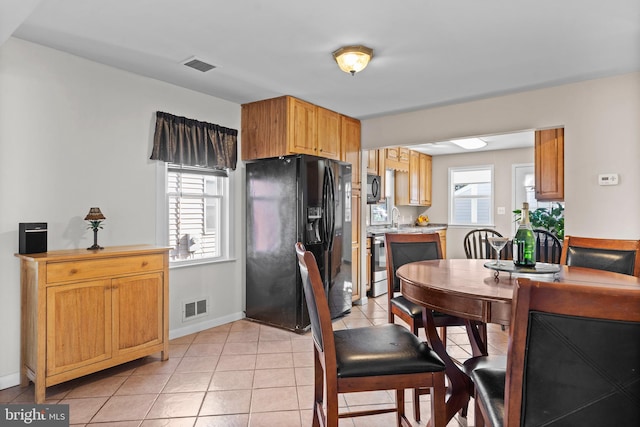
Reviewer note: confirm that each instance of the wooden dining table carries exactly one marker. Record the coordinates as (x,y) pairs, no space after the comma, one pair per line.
(468,289)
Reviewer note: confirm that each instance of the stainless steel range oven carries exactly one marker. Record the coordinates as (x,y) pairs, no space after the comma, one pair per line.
(378,267)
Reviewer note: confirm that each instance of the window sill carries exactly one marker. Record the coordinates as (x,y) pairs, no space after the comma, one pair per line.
(199,262)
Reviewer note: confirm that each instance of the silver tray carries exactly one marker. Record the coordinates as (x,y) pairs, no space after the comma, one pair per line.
(511,268)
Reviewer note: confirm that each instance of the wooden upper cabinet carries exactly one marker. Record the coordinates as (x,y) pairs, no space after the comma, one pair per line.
(397,158)
(302,127)
(264,128)
(382,172)
(549,164)
(392,154)
(404,155)
(414,178)
(329,134)
(287,125)
(350,141)
(425,179)
(413,187)
(372,161)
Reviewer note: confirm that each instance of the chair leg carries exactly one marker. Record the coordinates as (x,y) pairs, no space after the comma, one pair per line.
(318,391)
(332,410)
(438,404)
(478,418)
(416,392)
(400,415)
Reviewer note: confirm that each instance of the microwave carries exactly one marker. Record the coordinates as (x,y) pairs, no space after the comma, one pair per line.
(373,189)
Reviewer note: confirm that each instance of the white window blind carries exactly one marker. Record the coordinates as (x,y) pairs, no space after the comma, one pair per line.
(195,212)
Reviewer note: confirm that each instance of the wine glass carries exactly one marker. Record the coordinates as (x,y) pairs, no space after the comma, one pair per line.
(497,243)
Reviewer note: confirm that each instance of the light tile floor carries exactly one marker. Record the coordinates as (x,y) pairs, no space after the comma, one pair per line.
(241,374)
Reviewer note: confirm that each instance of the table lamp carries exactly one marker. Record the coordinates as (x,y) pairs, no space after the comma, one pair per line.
(95,218)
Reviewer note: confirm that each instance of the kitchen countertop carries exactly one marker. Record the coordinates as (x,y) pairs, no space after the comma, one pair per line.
(377,230)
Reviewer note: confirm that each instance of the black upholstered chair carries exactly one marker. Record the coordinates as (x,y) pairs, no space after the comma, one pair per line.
(383,357)
(619,256)
(402,248)
(476,244)
(548,247)
(574,359)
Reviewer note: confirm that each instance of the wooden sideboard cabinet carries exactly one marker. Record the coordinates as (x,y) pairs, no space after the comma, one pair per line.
(86,310)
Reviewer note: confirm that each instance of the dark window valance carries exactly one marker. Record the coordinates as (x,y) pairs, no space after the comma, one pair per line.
(190,142)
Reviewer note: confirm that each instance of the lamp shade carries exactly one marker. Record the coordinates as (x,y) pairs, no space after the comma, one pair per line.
(352,59)
(94,215)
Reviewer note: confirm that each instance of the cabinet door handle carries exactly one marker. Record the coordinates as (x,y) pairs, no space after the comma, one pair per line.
(73,271)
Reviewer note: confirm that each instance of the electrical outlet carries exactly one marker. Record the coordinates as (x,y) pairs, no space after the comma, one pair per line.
(501,210)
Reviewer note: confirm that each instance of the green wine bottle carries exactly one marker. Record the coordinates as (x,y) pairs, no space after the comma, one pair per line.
(524,243)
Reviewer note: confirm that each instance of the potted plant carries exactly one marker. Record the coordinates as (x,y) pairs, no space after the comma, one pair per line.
(550,219)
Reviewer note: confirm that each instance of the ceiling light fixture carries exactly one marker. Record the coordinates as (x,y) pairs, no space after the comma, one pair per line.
(352,59)
(469,143)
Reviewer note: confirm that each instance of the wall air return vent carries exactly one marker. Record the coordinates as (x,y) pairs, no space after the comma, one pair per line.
(193,309)
(198,64)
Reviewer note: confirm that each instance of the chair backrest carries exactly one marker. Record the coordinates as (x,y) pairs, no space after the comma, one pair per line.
(548,247)
(619,256)
(574,355)
(476,245)
(317,304)
(404,248)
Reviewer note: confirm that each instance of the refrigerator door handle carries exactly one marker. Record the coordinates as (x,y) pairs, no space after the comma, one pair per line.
(332,208)
(325,195)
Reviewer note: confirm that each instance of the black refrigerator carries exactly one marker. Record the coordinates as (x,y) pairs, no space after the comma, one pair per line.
(290,199)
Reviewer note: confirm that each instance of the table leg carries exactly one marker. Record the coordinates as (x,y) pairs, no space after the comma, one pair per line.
(459,382)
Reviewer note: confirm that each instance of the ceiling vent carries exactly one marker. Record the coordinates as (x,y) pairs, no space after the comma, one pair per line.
(199,65)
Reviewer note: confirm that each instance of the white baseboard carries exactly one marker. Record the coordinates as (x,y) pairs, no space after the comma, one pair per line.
(13,380)
(201,326)
(10,380)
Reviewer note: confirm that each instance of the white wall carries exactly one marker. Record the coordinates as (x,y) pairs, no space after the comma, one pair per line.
(502,161)
(76,134)
(601,119)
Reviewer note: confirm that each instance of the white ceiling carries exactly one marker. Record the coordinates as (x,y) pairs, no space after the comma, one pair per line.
(426,52)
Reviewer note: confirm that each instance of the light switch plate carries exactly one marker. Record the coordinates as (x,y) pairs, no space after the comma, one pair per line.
(608,179)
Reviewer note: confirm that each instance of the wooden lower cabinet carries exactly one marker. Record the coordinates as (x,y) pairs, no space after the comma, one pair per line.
(84,311)
(443,242)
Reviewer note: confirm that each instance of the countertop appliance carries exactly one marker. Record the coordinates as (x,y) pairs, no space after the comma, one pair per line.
(373,188)
(290,199)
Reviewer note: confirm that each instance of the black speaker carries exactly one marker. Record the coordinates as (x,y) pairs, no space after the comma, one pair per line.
(32,237)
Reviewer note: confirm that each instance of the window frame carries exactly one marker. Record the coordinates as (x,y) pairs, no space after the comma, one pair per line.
(452,198)
(226,220)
